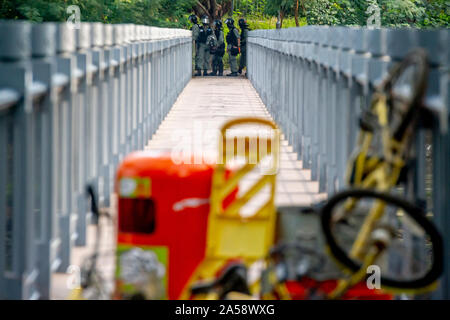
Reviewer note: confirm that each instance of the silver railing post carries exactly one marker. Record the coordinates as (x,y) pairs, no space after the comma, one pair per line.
(18,272)
(84,71)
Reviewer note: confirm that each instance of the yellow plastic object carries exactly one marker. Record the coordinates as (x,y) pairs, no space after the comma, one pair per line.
(231,236)
(379,173)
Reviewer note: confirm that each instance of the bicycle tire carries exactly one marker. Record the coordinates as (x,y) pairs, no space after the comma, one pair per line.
(416,57)
(413,211)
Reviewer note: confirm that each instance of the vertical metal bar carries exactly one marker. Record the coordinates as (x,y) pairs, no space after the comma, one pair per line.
(85,70)
(45,44)
(15,73)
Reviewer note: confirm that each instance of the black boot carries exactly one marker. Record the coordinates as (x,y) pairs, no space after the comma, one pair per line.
(198,73)
(220,70)
(240,71)
(233,74)
(214,73)
(205,73)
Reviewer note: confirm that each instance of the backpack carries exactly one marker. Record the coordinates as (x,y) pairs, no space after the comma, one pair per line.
(231,38)
(211,42)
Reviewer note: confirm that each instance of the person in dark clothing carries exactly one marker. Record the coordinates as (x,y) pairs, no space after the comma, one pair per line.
(203,49)
(210,41)
(218,49)
(195,38)
(233,44)
(244,36)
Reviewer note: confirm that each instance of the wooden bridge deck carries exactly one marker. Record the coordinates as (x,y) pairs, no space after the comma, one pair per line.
(203,106)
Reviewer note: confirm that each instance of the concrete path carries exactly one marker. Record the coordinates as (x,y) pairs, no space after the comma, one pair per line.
(201,109)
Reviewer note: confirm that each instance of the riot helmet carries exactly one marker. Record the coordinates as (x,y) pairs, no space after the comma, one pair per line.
(205,20)
(230,23)
(193,18)
(243,23)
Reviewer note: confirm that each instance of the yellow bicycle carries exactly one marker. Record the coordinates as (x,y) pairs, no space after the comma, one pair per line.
(383,220)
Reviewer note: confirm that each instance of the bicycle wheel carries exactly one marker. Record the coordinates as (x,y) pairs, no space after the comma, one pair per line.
(414,258)
(405,88)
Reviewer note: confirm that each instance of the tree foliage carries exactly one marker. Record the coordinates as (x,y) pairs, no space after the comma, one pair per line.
(149,12)
(393,13)
(417,13)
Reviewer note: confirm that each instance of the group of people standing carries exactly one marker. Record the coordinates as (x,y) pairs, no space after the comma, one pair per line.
(210,46)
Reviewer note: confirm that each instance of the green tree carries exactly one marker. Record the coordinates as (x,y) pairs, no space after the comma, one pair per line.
(281,8)
(437,14)
(174,13)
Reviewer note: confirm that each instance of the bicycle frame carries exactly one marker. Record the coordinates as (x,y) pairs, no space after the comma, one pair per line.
(378,174)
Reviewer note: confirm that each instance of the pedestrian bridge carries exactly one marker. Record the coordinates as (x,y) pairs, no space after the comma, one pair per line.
(74,102)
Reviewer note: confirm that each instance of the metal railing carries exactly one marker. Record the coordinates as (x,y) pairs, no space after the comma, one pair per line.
(73,103)
(315,80)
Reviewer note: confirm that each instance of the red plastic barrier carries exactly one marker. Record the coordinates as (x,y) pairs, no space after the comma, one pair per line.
(163,208)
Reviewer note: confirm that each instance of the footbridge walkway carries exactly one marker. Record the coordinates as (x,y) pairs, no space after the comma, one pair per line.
(75,102)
